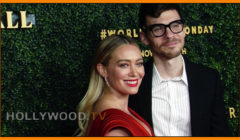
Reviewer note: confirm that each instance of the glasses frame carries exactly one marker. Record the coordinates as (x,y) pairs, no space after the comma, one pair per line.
(150,27)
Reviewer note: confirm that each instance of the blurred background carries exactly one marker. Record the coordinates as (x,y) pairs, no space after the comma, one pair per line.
(46,58)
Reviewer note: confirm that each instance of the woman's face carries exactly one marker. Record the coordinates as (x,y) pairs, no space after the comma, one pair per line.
(125,69)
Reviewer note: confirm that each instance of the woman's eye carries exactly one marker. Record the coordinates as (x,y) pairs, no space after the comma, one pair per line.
(123,65)
(140,64)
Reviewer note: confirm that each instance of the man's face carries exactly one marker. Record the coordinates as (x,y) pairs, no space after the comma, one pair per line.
(170,44)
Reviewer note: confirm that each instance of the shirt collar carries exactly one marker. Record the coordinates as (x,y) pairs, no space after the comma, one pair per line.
(184,74)
(183,77)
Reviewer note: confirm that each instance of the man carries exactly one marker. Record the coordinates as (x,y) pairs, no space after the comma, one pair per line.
(176,97)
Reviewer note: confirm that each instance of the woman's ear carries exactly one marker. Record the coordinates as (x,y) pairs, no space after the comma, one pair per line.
(101,70)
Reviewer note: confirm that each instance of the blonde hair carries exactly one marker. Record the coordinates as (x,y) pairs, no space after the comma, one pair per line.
(96,83)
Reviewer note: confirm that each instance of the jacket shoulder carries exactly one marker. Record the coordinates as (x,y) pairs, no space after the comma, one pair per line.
(199,68)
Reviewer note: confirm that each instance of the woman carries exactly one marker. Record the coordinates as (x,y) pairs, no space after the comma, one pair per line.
(116,73)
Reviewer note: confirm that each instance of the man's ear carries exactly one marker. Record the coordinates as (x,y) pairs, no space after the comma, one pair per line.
(144,38)
(101,70)
(184,31)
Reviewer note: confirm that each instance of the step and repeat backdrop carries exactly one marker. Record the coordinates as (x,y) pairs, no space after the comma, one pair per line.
(47,50)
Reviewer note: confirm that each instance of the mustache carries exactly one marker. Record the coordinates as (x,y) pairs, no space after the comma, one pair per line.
(171,41)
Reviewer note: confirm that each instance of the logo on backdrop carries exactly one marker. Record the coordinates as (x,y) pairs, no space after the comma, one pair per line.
(15,20)
(134,33)
(193,30)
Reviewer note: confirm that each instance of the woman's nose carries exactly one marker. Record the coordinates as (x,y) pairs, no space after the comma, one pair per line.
(133,71)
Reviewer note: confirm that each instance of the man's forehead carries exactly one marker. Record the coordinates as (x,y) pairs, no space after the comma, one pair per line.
(165,17)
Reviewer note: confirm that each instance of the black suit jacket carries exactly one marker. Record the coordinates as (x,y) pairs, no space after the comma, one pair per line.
(206,100)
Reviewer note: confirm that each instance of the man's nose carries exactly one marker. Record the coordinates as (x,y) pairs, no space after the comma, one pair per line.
(169,33)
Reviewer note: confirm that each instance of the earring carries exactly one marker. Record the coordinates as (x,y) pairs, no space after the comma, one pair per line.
(106,80)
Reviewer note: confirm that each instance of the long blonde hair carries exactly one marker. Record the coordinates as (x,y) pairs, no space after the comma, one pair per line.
(96,83)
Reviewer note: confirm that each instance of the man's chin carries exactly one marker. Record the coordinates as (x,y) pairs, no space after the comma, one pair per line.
(171,55)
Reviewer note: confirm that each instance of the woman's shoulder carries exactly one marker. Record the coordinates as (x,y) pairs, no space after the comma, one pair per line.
(107,120)
(115,122)
(110,114)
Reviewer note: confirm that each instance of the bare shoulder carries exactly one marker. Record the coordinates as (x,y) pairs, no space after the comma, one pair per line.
(101,105)
(118,132)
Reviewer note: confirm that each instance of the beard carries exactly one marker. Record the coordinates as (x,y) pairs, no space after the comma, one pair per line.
(169,52)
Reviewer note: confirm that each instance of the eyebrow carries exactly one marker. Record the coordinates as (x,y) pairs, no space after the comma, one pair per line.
(128,60)
(156,24)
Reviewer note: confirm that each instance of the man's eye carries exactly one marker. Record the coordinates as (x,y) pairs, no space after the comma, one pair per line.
(176,25)
(157,29)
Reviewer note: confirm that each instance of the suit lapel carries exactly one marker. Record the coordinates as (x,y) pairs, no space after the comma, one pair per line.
(193,86)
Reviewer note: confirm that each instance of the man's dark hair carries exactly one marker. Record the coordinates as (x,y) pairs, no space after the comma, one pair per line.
(155,10)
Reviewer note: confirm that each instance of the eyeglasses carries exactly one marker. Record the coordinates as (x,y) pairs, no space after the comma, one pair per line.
(159,30)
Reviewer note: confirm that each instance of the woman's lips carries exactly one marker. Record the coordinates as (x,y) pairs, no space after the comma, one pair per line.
(131,83)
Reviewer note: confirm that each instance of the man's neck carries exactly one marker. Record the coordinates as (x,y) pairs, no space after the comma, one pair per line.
(169,68)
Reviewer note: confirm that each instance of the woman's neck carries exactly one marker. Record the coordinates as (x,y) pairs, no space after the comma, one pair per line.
(112,99)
